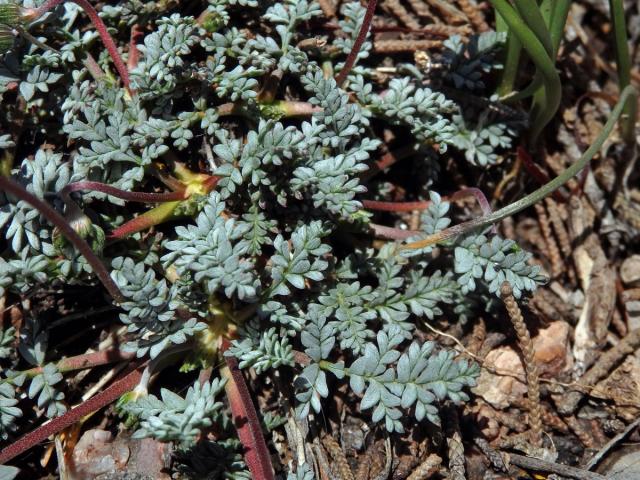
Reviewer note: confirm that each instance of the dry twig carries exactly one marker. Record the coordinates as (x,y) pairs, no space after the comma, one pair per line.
(526,346)
(427,468)
(474,14)
(397,46)
(341,465)
(401,13)
(557,265)
(605,364)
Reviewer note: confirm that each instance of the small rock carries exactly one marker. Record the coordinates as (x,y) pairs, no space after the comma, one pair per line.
(500,391)
(99,456)
(630,271)
(551,347)
(552,354)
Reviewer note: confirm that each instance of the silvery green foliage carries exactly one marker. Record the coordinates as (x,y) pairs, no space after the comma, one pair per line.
(294,263)
(34,339)
(174,418)
(9,413)
(213,251)
(24,272)
(161,55)
(151,309)
(318,338)
(272,249)
(494,261)
(287,16)
(482,141)
(8,472)
(386,378)
(262,350)
(42,386)
(38,80)
(468,63)
(303,472)
(353,16)
(420,109)
(23,225)
(7,339)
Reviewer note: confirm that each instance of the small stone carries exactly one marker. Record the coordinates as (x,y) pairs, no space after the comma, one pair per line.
(630,271)
(500,391)
(551,347)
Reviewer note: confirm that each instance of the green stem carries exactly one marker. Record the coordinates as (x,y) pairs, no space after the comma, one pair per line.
(532,16)
(559,14)
(623,61)
(628,94)
(511,66)
(543,62)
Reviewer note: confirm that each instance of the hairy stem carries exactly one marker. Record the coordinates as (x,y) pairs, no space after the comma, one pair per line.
(86,360)
(357,45)
(140,197)
(33,438)
(628,94)
(245,418)
(15,189)
(100,27)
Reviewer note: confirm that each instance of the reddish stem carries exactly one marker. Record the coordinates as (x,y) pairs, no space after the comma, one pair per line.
(15,189)
(390,233)
(245,418)
(110,394)
(134,53)
(424,204)
(357,45)
(86,360)
(100,27)
(141,197)
(395,206)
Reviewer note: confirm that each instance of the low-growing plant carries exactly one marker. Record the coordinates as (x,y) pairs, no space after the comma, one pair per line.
(259,254)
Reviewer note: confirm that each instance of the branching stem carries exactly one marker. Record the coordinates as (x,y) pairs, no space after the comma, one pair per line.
(106,37)
(628,94)
(15,189)
(357,45)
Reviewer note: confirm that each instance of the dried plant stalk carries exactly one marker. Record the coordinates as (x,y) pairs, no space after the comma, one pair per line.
(341,464)
(441,30)
(427,468)
(397,10)
(474,14)
(579,431)
(558,226)
(450,13)
(526,346)
(455,448)
(398,46)
(421,8)
(553,252)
